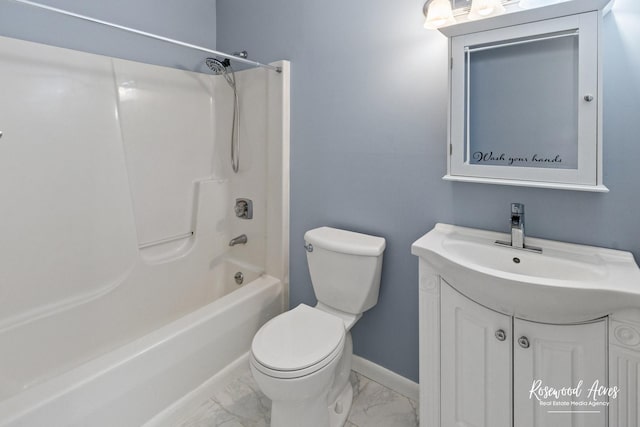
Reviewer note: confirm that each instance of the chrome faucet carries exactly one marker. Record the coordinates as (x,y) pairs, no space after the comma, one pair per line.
(240,240)
(517,230)
(517,225)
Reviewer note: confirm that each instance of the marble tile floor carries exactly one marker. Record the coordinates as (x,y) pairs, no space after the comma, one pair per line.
(241,404)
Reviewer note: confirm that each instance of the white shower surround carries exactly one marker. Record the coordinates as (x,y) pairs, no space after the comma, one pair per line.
(100,156)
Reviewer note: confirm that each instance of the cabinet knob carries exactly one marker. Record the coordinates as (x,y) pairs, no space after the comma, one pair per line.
(588,98)
(524,342)
(501,335)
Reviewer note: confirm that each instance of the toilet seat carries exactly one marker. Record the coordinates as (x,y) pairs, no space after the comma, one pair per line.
(297,343)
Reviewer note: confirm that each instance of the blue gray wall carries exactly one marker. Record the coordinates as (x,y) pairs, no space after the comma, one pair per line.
(369,128)
(369,98)
(193,22)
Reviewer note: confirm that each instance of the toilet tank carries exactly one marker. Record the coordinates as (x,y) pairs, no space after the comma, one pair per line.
(345,268)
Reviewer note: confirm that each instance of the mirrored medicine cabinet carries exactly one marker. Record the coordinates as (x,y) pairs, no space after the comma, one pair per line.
(525,98)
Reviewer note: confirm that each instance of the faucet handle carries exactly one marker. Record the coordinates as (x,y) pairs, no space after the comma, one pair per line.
(517,215)
(517,208)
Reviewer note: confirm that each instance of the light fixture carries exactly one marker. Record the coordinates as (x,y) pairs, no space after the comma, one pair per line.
(439,13)
(485,8)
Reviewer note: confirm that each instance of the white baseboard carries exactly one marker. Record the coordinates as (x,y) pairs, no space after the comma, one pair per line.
(387,378)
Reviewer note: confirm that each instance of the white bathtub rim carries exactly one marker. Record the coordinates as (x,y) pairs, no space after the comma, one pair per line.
(89,297)
(39,395)
(192,400)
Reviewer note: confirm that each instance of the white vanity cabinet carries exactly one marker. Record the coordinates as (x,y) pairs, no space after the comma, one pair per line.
(497,322)
(491,362)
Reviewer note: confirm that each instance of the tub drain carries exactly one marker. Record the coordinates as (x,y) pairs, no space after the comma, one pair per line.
(239,277)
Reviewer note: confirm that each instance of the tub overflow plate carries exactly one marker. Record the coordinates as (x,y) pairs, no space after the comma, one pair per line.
(239,277)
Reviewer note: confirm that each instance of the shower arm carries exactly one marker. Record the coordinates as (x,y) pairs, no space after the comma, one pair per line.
(150,35)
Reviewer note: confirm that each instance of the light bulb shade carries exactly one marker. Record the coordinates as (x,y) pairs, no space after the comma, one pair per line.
(485,8)
(439,14)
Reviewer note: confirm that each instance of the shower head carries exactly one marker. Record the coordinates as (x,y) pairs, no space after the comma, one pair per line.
(217,66)
(221,66)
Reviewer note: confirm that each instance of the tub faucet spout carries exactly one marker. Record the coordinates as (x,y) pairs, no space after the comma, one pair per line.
(241,239)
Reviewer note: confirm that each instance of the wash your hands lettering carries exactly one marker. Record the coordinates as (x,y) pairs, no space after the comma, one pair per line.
(511,160)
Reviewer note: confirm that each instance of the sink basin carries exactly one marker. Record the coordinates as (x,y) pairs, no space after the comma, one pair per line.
(551,264)
(566,283)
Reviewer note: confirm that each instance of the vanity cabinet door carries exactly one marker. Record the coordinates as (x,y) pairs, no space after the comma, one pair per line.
(476,363)
(558,356)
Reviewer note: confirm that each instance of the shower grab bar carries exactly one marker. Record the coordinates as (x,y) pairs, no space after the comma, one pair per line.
(150,35)
(166,240)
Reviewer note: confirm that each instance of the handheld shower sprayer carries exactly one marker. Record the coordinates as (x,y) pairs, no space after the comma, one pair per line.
(223,67)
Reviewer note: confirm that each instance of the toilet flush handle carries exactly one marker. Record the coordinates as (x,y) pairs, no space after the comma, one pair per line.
(308,247)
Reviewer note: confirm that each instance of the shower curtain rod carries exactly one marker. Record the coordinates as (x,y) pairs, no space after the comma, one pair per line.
(150,35)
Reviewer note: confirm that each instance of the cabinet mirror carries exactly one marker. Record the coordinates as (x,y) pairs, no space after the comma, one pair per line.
(525,105)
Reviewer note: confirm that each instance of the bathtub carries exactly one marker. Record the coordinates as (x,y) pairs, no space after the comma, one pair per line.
(129,385)
(117,290)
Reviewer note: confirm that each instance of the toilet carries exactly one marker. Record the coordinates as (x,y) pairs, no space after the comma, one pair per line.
(301,359)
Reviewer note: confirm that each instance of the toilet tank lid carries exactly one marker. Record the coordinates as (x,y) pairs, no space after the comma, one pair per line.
(344,241)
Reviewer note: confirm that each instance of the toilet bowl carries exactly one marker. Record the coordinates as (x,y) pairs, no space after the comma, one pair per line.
(293,360)
(301,359)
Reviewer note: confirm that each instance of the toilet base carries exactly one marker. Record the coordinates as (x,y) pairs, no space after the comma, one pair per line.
(339,410)
(300,413)
(311,412)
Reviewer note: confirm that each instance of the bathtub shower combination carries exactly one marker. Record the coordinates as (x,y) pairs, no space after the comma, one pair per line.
(118,290)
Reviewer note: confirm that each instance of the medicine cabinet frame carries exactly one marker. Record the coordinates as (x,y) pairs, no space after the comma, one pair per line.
(576,18)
